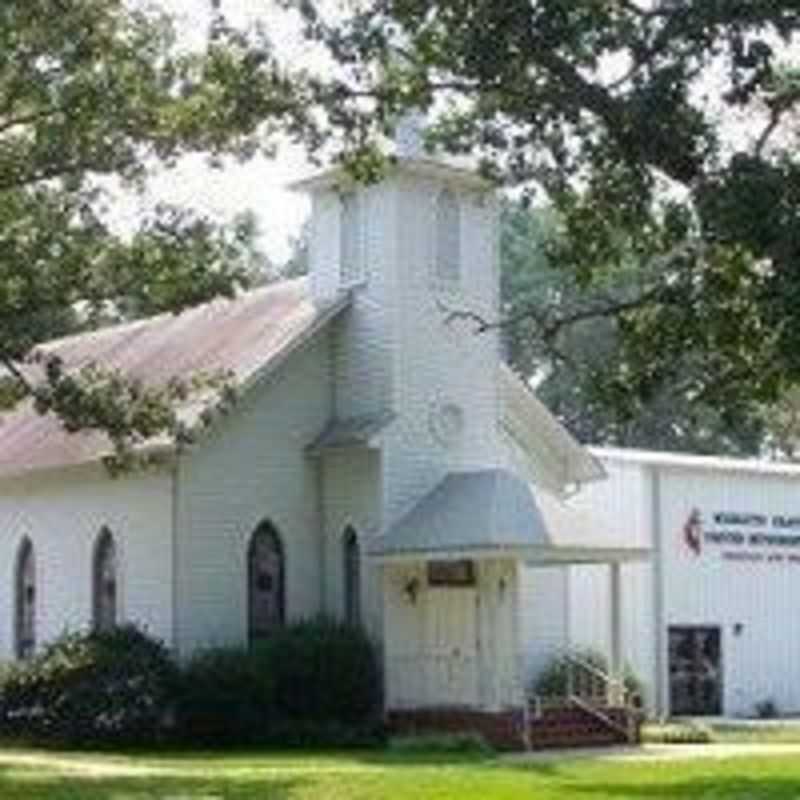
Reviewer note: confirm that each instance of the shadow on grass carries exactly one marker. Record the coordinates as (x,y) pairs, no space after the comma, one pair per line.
(256,755)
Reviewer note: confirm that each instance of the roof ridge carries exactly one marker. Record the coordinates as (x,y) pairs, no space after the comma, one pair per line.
(248,339)
(130,325)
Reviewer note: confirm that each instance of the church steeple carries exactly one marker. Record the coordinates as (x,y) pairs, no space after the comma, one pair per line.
(420,242)
(409,135)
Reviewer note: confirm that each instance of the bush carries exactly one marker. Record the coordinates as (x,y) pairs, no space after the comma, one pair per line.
(441,743)
(226,694)
(312,683)
(306,734)
(552,680)
(677,733)
(90,688)
(324,671)
(767,709)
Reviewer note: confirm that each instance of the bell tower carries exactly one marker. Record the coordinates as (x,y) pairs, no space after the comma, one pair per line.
(418,252)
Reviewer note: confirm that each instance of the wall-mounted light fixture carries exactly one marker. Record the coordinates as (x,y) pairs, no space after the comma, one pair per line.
(411,590)
(738,629)
(501,588)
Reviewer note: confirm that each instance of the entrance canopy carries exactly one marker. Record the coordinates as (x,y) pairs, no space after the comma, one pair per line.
(493,514)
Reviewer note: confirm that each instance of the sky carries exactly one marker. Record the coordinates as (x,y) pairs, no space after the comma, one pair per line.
(258,185)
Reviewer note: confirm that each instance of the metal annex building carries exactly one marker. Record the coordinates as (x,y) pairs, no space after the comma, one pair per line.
(711,623)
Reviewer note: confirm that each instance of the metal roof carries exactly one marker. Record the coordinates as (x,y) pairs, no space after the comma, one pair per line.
(359,431)
(437,169)
(557,459)
(249,336)
(696,462)
(488,512)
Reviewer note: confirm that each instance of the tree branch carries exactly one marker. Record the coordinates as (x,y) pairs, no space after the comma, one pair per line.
(16,373)
(28,119)
(549,328)
(777,110)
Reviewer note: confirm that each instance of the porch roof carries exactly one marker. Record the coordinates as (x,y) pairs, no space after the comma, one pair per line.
(488,513)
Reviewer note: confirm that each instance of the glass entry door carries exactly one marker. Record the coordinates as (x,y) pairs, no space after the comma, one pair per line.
(695,671)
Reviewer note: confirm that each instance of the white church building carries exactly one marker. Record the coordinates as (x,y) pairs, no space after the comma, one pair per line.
(382,465)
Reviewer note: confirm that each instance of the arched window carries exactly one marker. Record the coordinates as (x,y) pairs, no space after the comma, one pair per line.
(351,260)
(25,601)
(265,582)
(104,582)
(447,266)
(352,577)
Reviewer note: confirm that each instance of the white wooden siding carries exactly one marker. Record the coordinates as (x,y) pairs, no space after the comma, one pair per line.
(543,617)
(625,499)
(253,468)
(62,515)
(437,362)
(351,496)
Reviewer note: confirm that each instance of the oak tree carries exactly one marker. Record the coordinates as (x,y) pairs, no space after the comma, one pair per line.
(98,90)
(663,132)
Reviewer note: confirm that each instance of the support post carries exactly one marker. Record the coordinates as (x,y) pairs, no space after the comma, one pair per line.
(617,693)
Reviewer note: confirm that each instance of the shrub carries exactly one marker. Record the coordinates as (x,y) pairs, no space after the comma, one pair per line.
(552,680)
(225,694)
(312,683)
(324,670)
(314,734)
(677,733)
(441,743)
(90,688)
(767,709)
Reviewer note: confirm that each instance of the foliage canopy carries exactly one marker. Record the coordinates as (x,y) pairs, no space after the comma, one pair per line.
(96,91)
(664,133)
(579,369)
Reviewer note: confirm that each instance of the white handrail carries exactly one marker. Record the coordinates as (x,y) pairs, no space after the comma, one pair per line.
(614,693)
(589,681)
(574,660)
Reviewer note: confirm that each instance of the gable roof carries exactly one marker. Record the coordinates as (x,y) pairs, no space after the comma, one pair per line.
(433,168)
(249,336)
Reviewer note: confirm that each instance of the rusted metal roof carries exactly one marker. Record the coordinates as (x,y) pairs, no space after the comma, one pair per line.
(247,336)
(250,336)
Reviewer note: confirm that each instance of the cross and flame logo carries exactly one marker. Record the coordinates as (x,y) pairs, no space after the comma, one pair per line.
(693,532)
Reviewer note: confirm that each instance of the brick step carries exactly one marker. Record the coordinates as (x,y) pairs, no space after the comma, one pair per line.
(566,723)
(585,726)
(574,727)
(569,741)
(575,733)
(505,730)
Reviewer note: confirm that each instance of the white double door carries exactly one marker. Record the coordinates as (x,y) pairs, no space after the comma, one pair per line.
(452,646)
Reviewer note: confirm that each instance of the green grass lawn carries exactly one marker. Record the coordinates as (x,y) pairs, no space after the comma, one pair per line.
(775,733)
(29,775)
(728,732)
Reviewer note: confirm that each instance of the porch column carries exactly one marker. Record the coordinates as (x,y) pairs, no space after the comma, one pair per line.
(617,693)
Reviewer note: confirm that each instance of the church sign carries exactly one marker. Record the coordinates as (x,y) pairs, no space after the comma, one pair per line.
(743,536)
